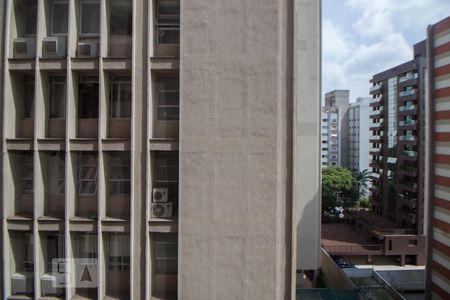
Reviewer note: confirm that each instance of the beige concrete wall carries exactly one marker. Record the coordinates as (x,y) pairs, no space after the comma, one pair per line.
(236,154)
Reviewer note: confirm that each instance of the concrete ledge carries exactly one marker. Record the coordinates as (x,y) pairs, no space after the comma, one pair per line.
(163,226)
(51,144)
(20,224)
(48,64)
(19,144)
(45,225)
(116,64)
(84,64)
(21,64)
(82,225)
(115,225)
(164,63)
(83,145)
(164,145)
(116,145)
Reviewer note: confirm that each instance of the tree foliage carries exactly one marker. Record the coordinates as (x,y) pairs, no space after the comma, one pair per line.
(342,188)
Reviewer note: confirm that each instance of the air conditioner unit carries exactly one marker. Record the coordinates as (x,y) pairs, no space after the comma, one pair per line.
(160,195)
(49,285)
(22,283)
(162,210)
(24,47)
(54,47)
(87,49)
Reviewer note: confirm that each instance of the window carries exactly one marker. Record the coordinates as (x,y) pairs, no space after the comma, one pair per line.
(168,22)
(61,174)
(28,99)
(166,172)
(30,17)
(119,174)
(87,246)
(88,97)
(27,174)
(57,103)
(90,18)
(166,253)
(59,17)
(55,249)
(119,252)
(120,19)
(87,174)
(120,98)
(168,99)
(28,259)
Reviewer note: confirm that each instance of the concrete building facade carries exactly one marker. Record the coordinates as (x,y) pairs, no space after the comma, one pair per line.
(398,148)
(438,271)
(172,146)
(358,135)
(336,105)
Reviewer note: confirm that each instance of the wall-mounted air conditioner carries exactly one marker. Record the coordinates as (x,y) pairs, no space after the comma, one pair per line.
(49,285)
(24,47)
(87,49)
(162,210)
(54,47)
(160,195)
(22,283)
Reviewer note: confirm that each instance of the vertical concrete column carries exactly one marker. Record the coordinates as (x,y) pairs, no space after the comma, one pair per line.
(306,183)
(139,150)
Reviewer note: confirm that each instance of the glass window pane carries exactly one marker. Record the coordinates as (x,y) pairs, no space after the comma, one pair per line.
(168,8)
(30,18)
(120,21)
(87,188)
(57,98)
(28,99)
(168,35)
(168,113)
(120,98)
(60,12)
(90,18)
(88,94)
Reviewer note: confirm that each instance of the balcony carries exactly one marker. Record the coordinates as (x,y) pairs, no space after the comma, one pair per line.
(407,93)
(376,101)
(375,150)
(376,88)
(376,125)
(375,138)
(407,123)
(409,153)
(375,176)
(408,170)
(407,109)
(408,185)
(407,77)
(407,138)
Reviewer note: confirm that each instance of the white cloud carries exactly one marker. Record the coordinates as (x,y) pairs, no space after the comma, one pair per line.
(380,35)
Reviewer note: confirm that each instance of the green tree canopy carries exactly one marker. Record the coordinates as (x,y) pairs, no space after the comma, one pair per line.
(337,186)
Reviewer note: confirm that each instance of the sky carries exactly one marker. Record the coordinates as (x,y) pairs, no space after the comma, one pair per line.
(365,37)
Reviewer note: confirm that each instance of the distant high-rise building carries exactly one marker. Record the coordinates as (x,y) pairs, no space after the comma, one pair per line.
(358,134)
(174,164)
(398,149)
(438,271)
(334,147)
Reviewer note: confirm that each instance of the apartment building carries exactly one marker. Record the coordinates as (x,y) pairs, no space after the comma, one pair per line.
(438,271)
(335,128)
(398,111)
(358,134)
(159,149)
(330,136)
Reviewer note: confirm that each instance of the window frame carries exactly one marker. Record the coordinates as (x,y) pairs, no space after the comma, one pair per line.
(175,26)
(88,80)
(81,33)
(80,181)
(122,261)
(53,82)
(52,33)
(27,174)
(119,81)
(27,4)
(162,90)
(126,4)
(119,162)
(157,258)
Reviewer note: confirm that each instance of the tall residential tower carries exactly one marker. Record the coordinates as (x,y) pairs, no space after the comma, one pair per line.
(159,149)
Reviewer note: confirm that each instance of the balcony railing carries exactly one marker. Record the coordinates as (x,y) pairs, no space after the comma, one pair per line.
(407,123)
(375,149)
(375,137)
(409,138)
(354,249)
(407,77)
(407,108)
(376,87)
(410,153)
(376,99)
(407,93)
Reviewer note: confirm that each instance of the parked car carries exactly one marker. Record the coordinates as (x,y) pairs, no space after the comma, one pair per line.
(342,263)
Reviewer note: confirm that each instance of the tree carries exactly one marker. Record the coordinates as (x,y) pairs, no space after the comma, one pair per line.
(360,184)
(337,188)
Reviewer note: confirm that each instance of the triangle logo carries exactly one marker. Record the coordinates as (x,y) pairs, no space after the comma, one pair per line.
(86,275)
